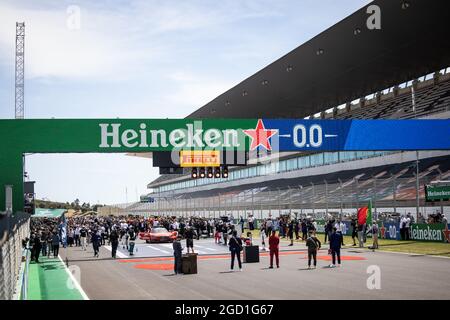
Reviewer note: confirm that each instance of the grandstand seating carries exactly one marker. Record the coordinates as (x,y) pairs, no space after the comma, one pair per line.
(345,189)
(387,186)
(432,98)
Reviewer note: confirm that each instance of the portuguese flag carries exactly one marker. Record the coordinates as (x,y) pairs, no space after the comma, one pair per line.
(365,214)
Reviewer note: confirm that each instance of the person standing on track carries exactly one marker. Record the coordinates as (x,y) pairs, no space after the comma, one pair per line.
(177,253)
(297,229)
(77,236)
(335,246)
(189,235)
(354,226)
(55,244)
(304,230)
(114,240)
(225,233)
(313,244)
(291,232)
(328,228)
(250,223)
(360,235)
(241,222)
(274,244)
(374,230)
(37,247)
(95,239)
(235,245)
(262,234)
(132,238)
(83,235)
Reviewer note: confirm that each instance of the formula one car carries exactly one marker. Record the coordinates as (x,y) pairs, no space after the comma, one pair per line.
(158,234)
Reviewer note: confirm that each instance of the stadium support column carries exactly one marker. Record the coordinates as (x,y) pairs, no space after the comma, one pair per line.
(326,197)
(394,192)
(290,200)
(441,201)
(342,196)
(413,98)
(253,202)
(374,201)
(220,206)
(279,202)
(301,199)
(313,200)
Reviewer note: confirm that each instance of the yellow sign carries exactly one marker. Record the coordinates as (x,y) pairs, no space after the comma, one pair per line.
(196,158)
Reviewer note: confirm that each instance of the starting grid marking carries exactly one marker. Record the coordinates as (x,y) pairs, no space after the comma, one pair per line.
(118,253)
(166,249)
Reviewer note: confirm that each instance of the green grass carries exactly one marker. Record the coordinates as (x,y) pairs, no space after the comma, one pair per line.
(413,247)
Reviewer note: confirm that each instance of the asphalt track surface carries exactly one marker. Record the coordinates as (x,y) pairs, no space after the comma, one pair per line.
(149,275)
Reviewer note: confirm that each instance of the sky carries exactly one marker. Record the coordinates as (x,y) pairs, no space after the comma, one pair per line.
(139,59)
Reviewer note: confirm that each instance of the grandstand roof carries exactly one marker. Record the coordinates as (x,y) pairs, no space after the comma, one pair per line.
(354,62)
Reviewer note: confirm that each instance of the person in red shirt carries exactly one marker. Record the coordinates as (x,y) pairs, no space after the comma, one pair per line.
(274,242)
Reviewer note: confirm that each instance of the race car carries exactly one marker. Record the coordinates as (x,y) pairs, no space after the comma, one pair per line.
(158,234)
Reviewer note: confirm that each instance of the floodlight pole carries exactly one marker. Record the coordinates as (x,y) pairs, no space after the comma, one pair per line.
(20,70)
(413,96)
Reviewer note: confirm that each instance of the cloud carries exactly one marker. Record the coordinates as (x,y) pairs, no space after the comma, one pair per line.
(112,42)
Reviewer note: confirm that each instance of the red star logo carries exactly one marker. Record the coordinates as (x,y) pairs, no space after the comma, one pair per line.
(260,136)
(446,233)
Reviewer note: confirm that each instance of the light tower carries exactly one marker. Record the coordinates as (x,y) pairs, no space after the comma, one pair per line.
(20,69)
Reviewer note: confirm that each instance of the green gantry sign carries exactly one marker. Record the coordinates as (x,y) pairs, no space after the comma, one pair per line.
(437,193)
(107,136)
(18,137)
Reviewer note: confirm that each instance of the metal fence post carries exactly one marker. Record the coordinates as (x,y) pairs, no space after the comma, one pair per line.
(313,200)
(342,197)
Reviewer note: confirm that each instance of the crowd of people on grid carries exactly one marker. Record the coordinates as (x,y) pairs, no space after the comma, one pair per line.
(82,231)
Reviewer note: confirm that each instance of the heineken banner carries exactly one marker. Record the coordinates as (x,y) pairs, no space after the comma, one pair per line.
(437,232)
(437,193)
(147,135)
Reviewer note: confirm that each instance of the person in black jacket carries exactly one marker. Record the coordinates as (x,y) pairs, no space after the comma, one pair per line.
(114,240)
(96,240)
(37,248)
(335,246)
(354,226)
(297,229)
(235,245)
(313,244)
(328,230)
(55,243)
(189,235)
(132,239)
(177,253)
(291,232)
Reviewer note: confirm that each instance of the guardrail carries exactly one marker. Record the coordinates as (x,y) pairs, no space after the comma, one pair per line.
(13,229)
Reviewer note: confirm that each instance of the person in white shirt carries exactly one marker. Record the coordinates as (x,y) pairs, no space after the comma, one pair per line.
(314,223)
(77,236)
(340,226)
(403,229)
(407,226)
(269,226)
(250,223)
(262,234)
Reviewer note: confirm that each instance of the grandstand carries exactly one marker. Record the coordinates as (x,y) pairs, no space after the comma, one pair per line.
(364,75)
(320,183)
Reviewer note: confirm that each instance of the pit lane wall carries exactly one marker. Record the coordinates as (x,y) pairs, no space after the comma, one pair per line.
(13,229)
